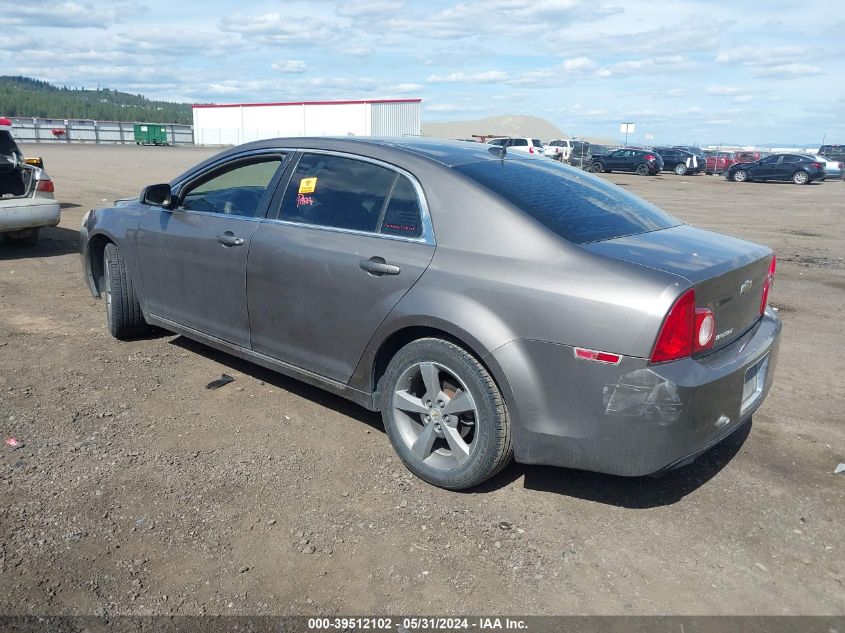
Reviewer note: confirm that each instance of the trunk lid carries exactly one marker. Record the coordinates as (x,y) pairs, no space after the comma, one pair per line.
(727,273)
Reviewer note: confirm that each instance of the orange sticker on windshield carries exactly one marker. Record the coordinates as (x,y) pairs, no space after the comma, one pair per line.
(307,185)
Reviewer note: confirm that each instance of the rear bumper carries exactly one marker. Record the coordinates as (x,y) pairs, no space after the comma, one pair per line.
(29,214)
(631,419)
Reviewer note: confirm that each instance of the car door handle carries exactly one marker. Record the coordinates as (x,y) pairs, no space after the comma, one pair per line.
(377,266)
(228,239)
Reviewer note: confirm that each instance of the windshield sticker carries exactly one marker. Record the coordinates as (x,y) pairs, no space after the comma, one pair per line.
(307,185)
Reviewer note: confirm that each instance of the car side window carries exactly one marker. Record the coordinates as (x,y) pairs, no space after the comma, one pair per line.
(791,159)
(403,216)
(520,142)
(337,192)
(237,190)
(770,160)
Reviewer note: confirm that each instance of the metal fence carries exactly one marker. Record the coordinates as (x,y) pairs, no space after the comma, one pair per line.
(36,130)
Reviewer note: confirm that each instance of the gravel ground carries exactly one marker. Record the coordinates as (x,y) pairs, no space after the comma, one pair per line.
(138,491)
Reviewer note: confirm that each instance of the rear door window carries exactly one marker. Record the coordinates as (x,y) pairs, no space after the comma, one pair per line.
(403,216)
(337,192)
(579,207)
(791,159)
(519,142)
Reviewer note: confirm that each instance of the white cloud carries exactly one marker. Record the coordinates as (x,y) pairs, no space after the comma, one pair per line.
(787,71)
(290,66)
(473,78)
(742,99)
(721,90)
(579,63)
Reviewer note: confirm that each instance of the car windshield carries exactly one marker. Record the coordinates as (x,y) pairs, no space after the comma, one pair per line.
(579,207)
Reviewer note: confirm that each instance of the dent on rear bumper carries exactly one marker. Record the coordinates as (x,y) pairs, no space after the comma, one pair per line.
(633,418)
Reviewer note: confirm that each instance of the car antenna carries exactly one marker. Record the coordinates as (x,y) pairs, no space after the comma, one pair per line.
(500,150)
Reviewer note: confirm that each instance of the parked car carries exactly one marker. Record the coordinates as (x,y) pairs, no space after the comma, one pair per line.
(749,157)
(634,357)
(834,152)
(522,144)
(718,162)
(799,168)
(833,169)
(680,161)
(26,193)
(581,155)
(640,161)
(560,149)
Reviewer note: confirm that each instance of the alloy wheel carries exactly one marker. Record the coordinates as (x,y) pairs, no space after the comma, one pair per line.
(435,415)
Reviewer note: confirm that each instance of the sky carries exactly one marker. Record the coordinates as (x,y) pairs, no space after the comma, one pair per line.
(683,71)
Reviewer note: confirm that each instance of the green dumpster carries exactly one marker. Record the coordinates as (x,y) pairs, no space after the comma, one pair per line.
(148,134)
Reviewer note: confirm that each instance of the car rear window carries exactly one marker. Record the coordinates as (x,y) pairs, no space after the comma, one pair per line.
(579,207)
(536,142)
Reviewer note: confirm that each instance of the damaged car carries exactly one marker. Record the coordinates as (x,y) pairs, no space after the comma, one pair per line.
(490,306)
(26,193)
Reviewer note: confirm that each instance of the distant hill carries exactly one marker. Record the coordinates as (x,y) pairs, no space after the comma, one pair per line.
(508,125)
(24,97)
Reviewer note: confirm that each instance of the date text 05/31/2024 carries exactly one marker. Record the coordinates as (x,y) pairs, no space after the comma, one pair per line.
(416,624)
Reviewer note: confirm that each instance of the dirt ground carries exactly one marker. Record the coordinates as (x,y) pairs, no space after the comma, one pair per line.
(138,491)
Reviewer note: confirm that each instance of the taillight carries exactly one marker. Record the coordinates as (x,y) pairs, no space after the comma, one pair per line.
(686,330)
(767,285)
(5,122)
(649,157)
(46,186)
(530,149)
(817,165)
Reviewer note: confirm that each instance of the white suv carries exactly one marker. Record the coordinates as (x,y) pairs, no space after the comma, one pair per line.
(528,145)
(560,149)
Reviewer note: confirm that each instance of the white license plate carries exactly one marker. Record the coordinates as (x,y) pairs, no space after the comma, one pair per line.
(752,386)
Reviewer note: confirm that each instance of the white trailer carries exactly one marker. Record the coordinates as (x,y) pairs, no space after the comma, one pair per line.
(233,124)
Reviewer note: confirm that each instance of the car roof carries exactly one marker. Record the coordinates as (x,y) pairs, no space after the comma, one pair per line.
(400,150)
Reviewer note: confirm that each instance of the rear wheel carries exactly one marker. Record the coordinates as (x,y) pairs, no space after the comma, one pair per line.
(123,310)
(680,169)
(444,414)
(642,169)
(740,175)
(800,177)
(27,237)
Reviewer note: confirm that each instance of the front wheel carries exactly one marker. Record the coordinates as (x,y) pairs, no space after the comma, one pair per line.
(596,167)
(680,169)
(642,170)
(740,175)
(800,178)
(123,310)
(444,414)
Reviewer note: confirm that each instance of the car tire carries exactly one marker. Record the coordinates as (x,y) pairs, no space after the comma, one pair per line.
(27,237)
(642,169)
(680,169)
(123,310)
(454,448)
(801,177)
(740,175)
(596,167)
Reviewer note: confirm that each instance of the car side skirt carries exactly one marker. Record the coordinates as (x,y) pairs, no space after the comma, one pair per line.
(362,398)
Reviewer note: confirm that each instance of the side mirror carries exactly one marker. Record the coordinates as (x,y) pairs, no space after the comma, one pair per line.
(157,195)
